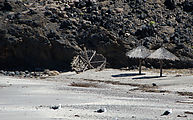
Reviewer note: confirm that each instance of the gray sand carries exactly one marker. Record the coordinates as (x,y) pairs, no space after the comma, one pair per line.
(117,90)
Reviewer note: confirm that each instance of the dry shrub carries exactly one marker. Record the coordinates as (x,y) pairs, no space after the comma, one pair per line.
(157,91)
(2,86)
(142,87)
(84,85)
(188,112)
(191,97)
(188,102)
(119,83)
(185,93)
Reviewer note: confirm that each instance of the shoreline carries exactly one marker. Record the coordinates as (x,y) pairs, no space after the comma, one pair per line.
(82,94)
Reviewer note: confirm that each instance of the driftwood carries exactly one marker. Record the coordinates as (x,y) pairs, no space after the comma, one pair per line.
(88,59)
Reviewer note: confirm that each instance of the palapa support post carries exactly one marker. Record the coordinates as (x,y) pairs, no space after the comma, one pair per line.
(140,60)
(140,53)
(162,54)
(161,65)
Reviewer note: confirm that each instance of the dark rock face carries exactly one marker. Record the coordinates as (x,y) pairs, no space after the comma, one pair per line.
(188,6)
(106,43)
(5,6)
(145,31)
(170,4)
(48,33)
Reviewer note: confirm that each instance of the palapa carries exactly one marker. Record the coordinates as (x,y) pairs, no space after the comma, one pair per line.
(140,52)
(162,54)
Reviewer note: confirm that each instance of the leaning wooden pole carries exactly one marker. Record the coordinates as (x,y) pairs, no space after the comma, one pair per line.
(140,60)
(161,65)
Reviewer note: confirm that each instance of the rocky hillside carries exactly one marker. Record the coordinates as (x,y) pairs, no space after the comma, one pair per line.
(48,33)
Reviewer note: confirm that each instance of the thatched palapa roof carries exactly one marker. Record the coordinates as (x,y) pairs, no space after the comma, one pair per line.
(139,52)
(163,54)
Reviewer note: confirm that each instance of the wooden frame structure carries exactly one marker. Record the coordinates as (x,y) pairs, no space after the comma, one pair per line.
(88,59)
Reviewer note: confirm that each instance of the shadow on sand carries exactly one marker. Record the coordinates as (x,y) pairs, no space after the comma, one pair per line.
(127,74)
(148,77)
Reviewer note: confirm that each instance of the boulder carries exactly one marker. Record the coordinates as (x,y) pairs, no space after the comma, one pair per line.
(188,6)
(170,4)
(5,6)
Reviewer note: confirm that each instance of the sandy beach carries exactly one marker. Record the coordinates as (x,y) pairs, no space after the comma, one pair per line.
(125,95)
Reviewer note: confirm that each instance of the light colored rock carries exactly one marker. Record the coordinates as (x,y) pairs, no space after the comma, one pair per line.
(127,34)
(119,10)
(53,73)
(167,29)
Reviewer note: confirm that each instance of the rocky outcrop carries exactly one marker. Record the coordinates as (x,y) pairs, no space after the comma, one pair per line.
(48,33)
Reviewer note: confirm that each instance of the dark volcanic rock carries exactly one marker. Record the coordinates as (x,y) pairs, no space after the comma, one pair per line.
(188,5)
(48,33)
(5,6)
(66,24)
(170,4)
(105,43)
(145,31)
